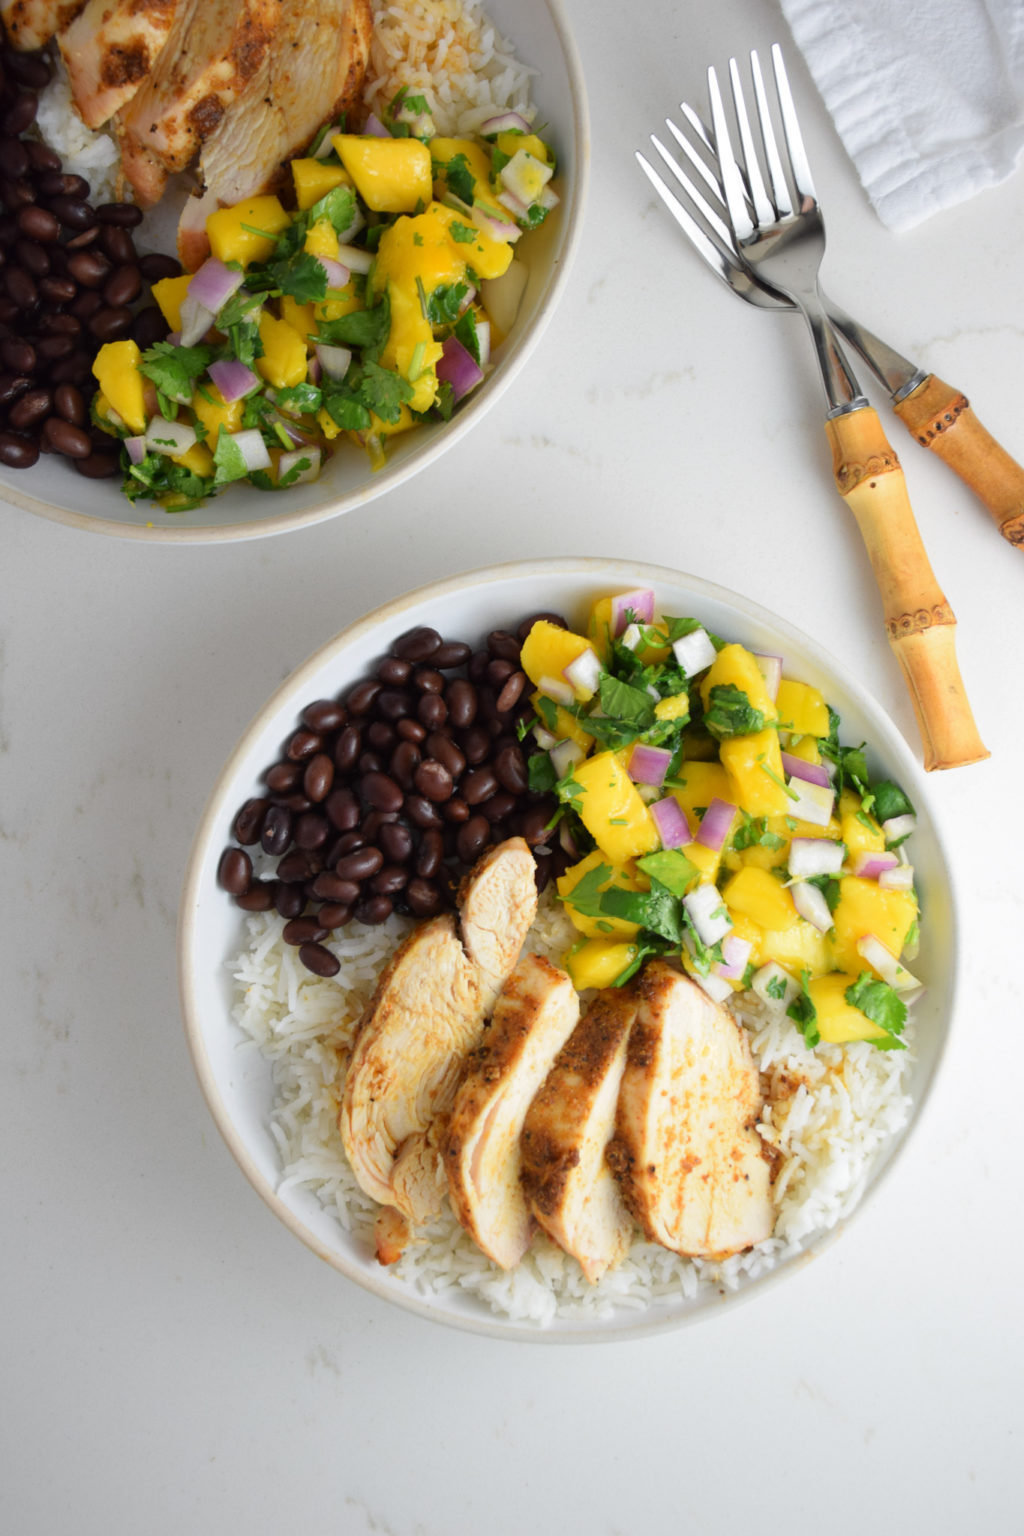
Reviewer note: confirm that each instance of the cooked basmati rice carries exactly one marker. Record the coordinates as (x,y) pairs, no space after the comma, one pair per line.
(828,1113)
(84,153)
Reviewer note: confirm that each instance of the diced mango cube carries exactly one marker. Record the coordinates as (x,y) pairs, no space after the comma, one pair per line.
(618,875)
(509,141)
(611,808)
(322,240)
(758,895)
(707,860)
(548,650)
(315,178)
(861,832)
(801,708)
(563,726)
(478,162)
(599,962)
(838,1021)
(390,175)
(698,783)
(676,707)
(301,317)
(247,232)
(116,368)
(753,765)
(801,947)
(864,906)
(210,407)
(168,293)
(284,362)
(198,459)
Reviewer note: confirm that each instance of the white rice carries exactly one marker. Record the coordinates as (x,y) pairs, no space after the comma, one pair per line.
(449,52)
(84,153)
(828,1112)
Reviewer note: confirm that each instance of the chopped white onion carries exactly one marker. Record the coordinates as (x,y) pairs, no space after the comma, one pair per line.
(898,828)
(708,913)
(631,637)
(288,461)
(584,673)
(770,668)
(483,341)
(355,259)
(565,755)
(882,960)
(558,689)
(811,904)
(810,802)
(899,878)
(252,448)
(694,651)
(716,987)
(333,360)
(544,739)
(196,320)
(771,978)
(170,437)
(809,856)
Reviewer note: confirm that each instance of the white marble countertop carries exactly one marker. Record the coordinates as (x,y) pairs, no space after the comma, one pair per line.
(173,1360)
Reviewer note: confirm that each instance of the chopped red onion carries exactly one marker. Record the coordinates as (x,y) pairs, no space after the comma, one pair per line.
(196,319)
(716,824)
(770,668)
(648,765)
(135,447)
(214,283)
(774,986)
(174,337)
(810,802)
(869,865)
(337,273)
(735,954)
(373,128)
(584,673)
(326,144)
(314,370)
(811,904)
(504,122)
(810,856)
(694,651)
(355,259)
(498,229)
(882,960)
(639,602)
(170,437)
(333,360)
(233,379)
(672,823)
(899,879)
(811,773)
(483,341)
(458,367)
(565,755)
(708,913)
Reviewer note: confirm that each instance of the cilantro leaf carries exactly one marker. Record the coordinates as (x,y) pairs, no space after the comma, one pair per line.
(444,303)
(804,1014)
(459,178)
(174,369)
(890,801)
(229,461)
(730,713)
(303,399)
(775,986)
(543,776)
(656,911)
(586,895)
(462,234)
(365,329)
(882,1005)
(671,868)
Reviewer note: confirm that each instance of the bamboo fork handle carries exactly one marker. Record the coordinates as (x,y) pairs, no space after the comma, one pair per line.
(918,619)
(941,419)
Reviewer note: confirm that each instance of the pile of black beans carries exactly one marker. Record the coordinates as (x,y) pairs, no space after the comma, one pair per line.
(70,280)
(383,797)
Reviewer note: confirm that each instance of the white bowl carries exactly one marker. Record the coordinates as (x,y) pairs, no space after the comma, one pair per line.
(540,33)
(237,1084)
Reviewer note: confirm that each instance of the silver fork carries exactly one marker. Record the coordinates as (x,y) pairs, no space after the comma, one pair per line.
(937,415)
(780,242)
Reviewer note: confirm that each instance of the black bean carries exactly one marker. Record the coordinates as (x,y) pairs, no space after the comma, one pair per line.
(499,806)
(156,266)
(360,864)
(30,69)
(410,730)
(72,212)
(234,872)
(318,777)
(298,865)
(504,645)
(348,747)
(342,809)
(110,322)
(335,887)
(394,704)
(334,914)
(21,114)
(323,716)
(21,288)
(375,910)
(65,184)
(403,763)
(433,780)
(373,822)
(427,680)
(119,246)
(277,830)
(479,784)
(346,843)
(510,768)
(123,286)
(432,711)
(359,699)
(98,466)
(303,930)
(70,403)
(395,842)
(380,736)
(389,880)
(311,830)
(460,696)
(37,223)
(450,653)
(55,347)
(283,776)
(248,823)
(43,158)
(61,436)
(446,751)
(289,900)
(533,825)
(369,762)
(511,692)
(472,838)
(423,898)
(393,672)
(149,327)
(18,354)
(382,792)
(417,644)
(17,452)
(83,239)
(303,745)
(319,960)
(421,811)
(123,215)
(455,809)
(430,853)
(58,290)
(534,618)
(11,386)
(33,407)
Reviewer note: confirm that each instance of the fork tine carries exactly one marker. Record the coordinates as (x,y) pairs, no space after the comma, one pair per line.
(791,127)
(732,181)
(704,208)
(764,213)
(718,260)
(780,187)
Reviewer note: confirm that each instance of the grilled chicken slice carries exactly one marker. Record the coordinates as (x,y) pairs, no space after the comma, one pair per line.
(497,904)
(108,51)
(690,1165)
(533,1016)
(213,50)
(31,23)
(568,1184)
(311,73)
(426,1013)
(424,1018)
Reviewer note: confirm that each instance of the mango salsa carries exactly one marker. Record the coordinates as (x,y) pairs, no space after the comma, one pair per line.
(390,175)
(611,808)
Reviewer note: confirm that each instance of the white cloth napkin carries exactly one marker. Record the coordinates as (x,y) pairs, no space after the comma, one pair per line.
(927,95)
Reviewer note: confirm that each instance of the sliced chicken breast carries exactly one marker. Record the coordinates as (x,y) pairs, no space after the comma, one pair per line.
(532,1018)
(213,50)
(566,1178)
(31,23)
(109,50)
(497,904)
(426,1015)
(690,1164)
(312,73)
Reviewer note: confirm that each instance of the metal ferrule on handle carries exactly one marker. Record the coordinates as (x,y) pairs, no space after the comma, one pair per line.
(919,621)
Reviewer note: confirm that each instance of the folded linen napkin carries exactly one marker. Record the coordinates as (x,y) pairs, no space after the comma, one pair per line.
(927,95)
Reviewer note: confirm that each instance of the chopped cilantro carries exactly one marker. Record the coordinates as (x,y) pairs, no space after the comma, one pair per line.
(804,1014)
(174,370)
(730,713)
(462,234)
(882,1005)
(671,868)
(775,987)
(890,801)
